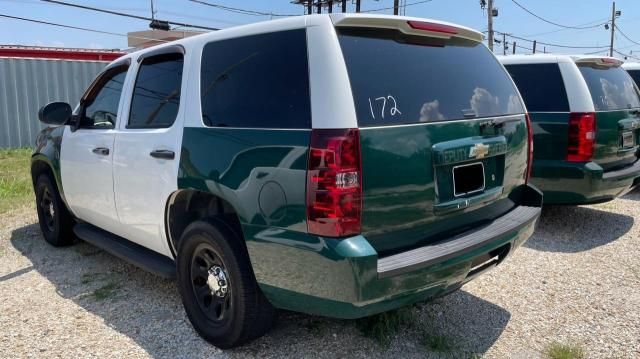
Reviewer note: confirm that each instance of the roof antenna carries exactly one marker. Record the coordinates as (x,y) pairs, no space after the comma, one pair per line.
(153,13)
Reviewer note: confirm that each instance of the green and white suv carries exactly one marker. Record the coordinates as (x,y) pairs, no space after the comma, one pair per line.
(339,165)
(585,115)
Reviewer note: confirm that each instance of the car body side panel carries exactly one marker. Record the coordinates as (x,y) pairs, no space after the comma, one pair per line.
(48,149)
(262,173)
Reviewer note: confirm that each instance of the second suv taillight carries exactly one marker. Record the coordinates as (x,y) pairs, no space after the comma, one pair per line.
(334,183)
(582,135)
(527,174)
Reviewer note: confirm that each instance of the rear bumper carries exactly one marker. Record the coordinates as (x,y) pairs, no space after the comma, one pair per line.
(346,278)
(582,183)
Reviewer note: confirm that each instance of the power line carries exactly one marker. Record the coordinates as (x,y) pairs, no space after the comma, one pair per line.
(84,7)
(405,6)
(554,23)
(239,10)
(75,27)
(552,44)
(599,21)
(625,35)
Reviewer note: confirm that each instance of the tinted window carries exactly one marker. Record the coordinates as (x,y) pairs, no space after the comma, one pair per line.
(541,87)
(156,95)
(101,108)
(257,81)
(398,79)
(635,75)
(611,87)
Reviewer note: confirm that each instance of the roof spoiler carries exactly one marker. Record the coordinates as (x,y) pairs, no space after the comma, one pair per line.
(408,25)
(599,61)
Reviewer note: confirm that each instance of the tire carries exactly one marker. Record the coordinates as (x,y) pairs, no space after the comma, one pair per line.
(217,285)
(56,223)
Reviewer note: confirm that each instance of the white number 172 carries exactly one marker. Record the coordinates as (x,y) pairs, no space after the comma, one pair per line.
(392,101)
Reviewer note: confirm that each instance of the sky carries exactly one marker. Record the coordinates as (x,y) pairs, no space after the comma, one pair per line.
(511,19)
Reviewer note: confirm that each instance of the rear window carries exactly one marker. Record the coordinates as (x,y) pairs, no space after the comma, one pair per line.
(635,75)
(400,79)
(259,81)
(611,87)
(541,87)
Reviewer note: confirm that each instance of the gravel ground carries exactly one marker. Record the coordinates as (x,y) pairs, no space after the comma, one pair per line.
(576,281)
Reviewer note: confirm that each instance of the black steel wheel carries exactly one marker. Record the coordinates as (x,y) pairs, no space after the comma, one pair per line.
(210,281)
(217,285)
(56,223)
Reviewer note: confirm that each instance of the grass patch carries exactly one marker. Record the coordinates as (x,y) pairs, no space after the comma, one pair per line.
(439,343)
(107,291)
(383,327)
(565,351)
(16,190)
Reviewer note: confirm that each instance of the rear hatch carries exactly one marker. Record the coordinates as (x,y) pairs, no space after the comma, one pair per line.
(442,128)
(617,102)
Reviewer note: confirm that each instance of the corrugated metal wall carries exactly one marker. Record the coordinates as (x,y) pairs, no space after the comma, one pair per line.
(28,84)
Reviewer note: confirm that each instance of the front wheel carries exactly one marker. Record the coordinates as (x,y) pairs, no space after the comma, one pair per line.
(217,285)
(55,220)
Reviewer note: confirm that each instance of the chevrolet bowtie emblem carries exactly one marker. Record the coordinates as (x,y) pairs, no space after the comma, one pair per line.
(479,150)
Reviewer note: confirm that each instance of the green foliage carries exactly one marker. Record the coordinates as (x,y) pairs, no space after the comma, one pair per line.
(16,190)
(106,291)
(565,351)
(383,327)
(439,343)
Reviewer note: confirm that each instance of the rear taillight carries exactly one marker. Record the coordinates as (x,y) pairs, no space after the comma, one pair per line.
(582,134)
(334,183)
(527,173)
(429,26)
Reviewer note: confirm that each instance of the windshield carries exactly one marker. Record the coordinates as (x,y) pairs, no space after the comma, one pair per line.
(400,79)
(611,87)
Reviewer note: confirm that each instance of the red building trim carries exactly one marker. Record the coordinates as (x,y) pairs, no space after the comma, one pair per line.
(60,54)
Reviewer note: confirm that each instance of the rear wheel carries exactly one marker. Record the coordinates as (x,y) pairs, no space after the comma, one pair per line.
(217,286)
(55,220)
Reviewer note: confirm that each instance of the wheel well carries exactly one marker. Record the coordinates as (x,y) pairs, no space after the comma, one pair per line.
(38,168)
(186,206)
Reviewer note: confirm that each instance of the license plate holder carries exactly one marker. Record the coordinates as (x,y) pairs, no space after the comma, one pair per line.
(468,179)
(628,139)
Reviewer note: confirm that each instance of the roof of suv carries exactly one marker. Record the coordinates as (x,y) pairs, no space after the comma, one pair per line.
(549,58)
(437,29)
(631,66)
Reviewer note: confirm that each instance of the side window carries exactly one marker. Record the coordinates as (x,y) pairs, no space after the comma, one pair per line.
(541,86)
(635,75)
(257,81)
(156,95)
(100,109)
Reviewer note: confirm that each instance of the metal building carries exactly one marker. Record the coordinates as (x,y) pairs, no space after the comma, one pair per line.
(32,77)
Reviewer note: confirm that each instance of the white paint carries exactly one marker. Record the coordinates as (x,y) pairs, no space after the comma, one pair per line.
(142,184)
(86,176)
(577,91)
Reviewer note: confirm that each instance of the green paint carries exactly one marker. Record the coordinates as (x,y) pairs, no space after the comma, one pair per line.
(338,277)
(236,164)
(47,150)
(402,206)
(580,183)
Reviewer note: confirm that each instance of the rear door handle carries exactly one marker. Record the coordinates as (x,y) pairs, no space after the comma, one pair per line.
(163,154)
(103,151)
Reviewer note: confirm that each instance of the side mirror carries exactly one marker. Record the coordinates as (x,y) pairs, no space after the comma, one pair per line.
(55,113)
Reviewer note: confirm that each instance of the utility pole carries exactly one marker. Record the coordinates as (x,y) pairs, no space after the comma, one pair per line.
(490,22)
(534,46)
(330,6)
(344,5)
(504,44)
(357,5)
(514,47)
(309,7)
(613,28)
(396,6)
